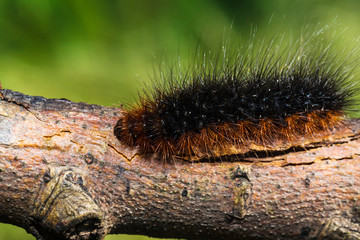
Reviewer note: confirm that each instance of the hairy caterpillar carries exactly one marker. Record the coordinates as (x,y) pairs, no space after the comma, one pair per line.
(230,103)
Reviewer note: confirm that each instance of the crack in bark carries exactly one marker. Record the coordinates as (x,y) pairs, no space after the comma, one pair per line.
(121,154)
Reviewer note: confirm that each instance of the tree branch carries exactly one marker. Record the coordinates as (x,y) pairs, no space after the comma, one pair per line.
(64,175)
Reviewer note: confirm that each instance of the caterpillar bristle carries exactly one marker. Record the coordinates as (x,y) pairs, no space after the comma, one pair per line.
(227,105)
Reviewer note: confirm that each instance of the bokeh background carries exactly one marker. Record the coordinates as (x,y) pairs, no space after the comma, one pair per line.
(101,51)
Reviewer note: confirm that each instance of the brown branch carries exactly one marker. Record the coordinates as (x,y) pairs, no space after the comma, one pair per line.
(63,175)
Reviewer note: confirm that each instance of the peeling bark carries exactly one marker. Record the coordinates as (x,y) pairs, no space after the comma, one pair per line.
(64,175)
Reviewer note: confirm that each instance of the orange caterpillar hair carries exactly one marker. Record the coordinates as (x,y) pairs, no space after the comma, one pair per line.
(246,100)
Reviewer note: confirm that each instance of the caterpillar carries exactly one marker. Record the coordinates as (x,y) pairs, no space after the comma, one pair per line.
(236,100)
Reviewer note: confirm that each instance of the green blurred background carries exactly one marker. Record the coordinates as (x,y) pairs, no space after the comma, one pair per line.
(101,51)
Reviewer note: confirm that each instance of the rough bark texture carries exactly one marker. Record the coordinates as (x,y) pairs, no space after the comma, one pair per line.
(64,175)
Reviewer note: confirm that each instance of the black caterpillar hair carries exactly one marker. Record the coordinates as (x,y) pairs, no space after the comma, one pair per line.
(226,102)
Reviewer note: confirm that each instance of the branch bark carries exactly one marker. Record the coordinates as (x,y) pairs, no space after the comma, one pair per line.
(64,175)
